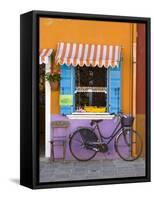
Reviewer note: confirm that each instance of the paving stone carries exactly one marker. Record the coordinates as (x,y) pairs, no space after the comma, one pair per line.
(80,173)
(140,171)
(74,170)
(89,177)
(126,171)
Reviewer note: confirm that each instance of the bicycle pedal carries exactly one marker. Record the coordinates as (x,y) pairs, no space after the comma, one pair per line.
(95,149)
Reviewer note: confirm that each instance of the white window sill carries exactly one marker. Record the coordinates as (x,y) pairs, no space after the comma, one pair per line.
(76,115)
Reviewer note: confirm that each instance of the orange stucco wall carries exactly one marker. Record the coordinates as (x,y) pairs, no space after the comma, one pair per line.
(53,31)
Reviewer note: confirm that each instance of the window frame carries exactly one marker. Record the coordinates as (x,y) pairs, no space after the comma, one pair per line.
(108,108)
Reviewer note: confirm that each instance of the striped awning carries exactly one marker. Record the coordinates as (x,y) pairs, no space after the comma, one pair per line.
(88,54)
(44,56)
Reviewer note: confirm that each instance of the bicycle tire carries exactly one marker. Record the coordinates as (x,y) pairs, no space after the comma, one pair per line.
(139,143)
(84,154)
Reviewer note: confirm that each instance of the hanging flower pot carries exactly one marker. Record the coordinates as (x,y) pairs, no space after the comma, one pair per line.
(54,85)
(54,79)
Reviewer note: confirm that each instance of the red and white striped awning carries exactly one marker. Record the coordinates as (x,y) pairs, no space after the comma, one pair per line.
(44,56)
(88,54)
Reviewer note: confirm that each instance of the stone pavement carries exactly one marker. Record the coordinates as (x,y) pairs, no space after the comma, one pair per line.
(95,169)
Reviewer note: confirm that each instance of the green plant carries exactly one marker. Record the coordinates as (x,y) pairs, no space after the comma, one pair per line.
(52,77)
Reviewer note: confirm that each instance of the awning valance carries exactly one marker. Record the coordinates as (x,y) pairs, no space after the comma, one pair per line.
(88,54)
(44,56)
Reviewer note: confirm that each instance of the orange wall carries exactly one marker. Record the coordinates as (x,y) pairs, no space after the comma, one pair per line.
(53,31)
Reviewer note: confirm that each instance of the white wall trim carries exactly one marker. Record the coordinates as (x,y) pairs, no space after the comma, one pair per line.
(47,114)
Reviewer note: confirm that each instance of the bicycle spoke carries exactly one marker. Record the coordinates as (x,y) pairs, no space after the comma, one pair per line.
(78,141)
(78,146)
(126,145)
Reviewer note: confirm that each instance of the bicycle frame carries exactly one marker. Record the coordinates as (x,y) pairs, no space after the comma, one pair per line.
(113,134)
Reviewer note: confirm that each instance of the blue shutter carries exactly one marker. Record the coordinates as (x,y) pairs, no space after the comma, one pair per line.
(67,87)
(114,89)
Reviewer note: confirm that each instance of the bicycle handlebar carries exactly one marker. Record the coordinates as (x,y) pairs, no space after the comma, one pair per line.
(120,114)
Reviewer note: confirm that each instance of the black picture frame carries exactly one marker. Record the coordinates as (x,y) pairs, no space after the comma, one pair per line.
(29,92)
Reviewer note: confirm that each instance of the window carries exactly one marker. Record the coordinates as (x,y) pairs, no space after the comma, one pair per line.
(90,89)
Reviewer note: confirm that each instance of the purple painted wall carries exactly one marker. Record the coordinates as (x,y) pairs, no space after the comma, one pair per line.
(107,126)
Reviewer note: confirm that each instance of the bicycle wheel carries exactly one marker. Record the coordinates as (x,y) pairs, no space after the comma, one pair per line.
(78,144)
(128,145)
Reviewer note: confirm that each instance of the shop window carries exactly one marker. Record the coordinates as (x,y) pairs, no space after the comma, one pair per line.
(90,89)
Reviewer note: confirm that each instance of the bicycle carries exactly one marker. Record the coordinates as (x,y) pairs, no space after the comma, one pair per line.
(84,143)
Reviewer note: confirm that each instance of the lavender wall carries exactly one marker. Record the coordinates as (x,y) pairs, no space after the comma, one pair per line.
(107,126)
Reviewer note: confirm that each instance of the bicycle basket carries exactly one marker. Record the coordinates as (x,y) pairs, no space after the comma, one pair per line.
(127,121)
(88,135)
